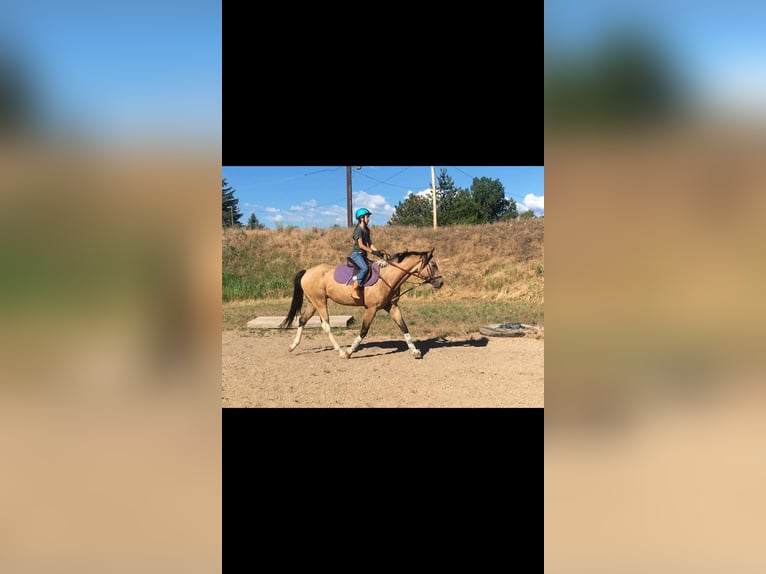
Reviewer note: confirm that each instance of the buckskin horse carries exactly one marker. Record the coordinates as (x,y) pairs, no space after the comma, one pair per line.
(382,290)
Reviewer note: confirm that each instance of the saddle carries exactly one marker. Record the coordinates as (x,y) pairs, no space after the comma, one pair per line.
(344,273)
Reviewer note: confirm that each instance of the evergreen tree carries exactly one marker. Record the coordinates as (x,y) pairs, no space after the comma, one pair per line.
(230,213)
(445,198)
(253,223)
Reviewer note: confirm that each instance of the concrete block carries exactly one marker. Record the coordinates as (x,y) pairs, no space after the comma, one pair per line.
(314,322)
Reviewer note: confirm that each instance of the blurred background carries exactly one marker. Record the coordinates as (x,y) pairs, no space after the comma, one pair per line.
(110,147)
(655,172)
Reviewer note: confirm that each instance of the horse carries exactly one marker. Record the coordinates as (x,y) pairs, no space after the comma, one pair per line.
(318,285)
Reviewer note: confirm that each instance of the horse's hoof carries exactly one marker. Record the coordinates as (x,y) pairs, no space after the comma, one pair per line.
(417,354)
(345,354)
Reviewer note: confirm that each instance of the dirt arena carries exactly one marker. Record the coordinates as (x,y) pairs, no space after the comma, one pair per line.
(466,371)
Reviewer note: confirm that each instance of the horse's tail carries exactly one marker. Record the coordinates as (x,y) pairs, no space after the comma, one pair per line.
(297,300)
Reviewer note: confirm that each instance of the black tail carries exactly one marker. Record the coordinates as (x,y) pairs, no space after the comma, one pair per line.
(297,300)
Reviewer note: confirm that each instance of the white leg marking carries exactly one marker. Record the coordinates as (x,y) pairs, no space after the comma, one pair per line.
(411,345)
(297,339)
(326,329)
(355,344)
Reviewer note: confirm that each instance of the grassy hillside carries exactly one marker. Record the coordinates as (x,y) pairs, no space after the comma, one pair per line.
(491,271)
(500,261)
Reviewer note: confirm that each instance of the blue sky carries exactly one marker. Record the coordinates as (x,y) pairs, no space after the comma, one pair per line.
(136,68)
(121,70)
(315,196)
(718,49)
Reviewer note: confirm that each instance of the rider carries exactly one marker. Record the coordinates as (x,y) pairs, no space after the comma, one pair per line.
(362,246)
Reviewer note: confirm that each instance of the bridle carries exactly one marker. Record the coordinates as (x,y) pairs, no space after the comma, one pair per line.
(424,280)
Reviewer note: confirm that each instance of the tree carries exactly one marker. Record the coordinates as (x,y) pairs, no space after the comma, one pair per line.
(253,223)
(489,195)
(627,79)
(230,213)
(485,202)
(416,210)
(464,209)
(445,197)
(18,104)
(528,215)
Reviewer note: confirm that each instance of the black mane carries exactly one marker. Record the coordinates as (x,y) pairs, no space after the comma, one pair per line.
(400,256)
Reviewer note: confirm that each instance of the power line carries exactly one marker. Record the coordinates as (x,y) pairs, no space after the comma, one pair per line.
(464,173)
(506,193)
(385,181)
(322,170)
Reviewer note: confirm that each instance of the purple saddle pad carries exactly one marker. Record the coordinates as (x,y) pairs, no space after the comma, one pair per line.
(344,273)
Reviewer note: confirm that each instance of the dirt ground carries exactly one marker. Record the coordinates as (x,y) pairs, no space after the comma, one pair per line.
(468,371)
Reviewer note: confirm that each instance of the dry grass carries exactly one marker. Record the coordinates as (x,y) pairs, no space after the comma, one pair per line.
(493,274)
(499,262)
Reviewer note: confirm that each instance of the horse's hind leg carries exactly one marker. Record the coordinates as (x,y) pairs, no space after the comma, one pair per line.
(396,314)
(304,318)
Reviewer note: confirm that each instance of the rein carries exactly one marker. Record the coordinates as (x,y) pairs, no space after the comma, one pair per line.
(425,280)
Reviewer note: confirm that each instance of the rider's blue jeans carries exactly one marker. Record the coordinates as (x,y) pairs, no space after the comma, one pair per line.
(359,258)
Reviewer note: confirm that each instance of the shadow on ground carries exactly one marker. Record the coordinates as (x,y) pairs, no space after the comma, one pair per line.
(425,345)
(391,347)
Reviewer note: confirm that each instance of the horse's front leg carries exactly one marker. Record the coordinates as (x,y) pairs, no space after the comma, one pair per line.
(396,314)
(367,318)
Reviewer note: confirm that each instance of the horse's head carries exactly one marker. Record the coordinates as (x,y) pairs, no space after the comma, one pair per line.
(430,270)
(418,264)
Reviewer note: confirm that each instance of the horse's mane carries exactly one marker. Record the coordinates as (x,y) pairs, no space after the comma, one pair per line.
(404,254)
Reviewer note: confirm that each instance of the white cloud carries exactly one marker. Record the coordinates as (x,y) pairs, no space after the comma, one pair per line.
(311,203)
(737,90)
(334,211)
(532,202)
(307,214)
(377,204)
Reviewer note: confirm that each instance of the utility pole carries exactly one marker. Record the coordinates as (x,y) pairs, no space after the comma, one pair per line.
(433,192)
(348,196)
(348,193)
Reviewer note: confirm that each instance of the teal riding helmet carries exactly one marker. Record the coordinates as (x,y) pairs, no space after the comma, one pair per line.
(361,212)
